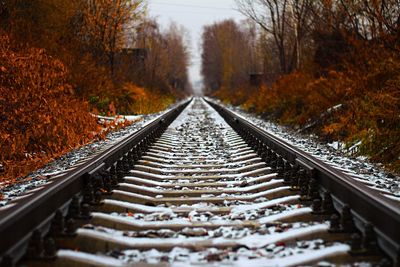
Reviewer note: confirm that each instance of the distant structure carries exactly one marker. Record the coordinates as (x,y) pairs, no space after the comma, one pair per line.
(257,79)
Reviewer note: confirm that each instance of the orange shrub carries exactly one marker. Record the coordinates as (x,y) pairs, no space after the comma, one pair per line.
(359,103)
(146,101)
(39,115)
(284,100)
(234,96)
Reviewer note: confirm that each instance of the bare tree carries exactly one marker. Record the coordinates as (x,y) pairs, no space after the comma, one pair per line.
(286,20)
(372,19)
(105,25)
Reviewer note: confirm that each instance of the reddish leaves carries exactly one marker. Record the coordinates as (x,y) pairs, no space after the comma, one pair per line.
(39,116)
(359,103)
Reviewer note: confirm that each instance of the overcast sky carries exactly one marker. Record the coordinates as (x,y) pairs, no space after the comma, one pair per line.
(193,15)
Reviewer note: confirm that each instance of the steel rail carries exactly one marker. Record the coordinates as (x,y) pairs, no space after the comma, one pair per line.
(36,210)
(367,204)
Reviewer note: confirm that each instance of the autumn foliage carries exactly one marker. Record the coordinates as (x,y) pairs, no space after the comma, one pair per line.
(40,115)
(352,105)
(145,101)
(331,69)
(63,62)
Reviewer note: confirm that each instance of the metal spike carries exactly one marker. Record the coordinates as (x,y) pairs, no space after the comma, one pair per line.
(74,210)
(334,223)
(355,243)
(346,220)
(57,224)
(327,204)
(70,227)
(369,241)
(36,246)
(50,249)
(316,206)
(85,212)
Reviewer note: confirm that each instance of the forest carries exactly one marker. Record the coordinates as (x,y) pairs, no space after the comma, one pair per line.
(329,67)
(318,66)
(62,62)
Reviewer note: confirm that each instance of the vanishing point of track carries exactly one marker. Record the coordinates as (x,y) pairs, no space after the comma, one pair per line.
(201,186)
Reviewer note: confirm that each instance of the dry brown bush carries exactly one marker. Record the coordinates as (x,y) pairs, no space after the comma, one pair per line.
(40,116)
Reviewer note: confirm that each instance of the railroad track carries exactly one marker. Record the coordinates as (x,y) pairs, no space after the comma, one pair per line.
(202,191)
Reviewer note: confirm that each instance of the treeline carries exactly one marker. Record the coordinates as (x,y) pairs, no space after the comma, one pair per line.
(330,67)
(61,60)
(107,46)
